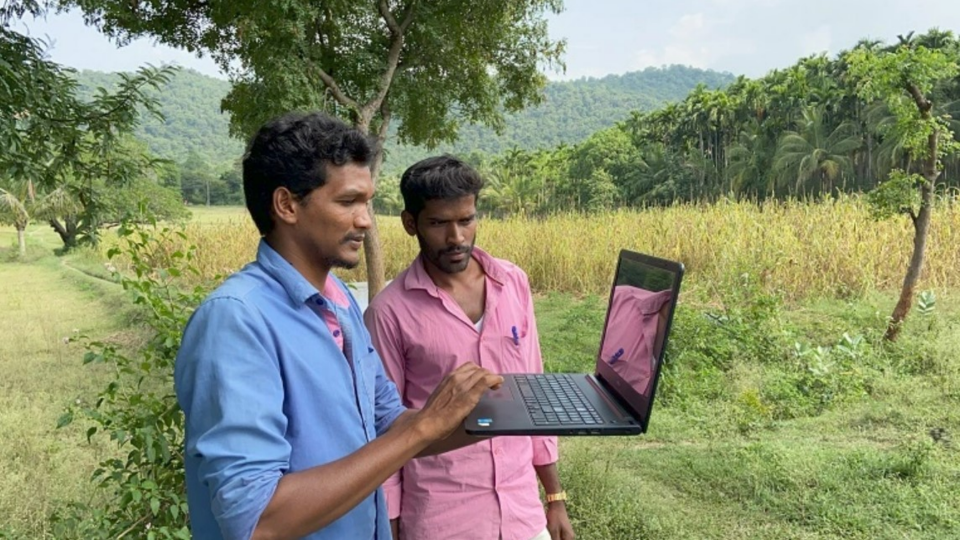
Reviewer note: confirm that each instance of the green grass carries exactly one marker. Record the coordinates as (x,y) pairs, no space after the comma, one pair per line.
(42,303)
(218,214)
(713,467)
(743,443)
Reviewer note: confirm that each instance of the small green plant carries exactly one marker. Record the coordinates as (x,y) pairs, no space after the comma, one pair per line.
(926,303)
(137,409)
(910,461)
(752,413)
(820,376)
(926,306)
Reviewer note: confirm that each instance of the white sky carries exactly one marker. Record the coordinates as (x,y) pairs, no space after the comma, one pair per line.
(747,37)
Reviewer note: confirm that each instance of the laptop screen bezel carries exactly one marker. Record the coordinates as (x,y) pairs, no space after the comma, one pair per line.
(606,374)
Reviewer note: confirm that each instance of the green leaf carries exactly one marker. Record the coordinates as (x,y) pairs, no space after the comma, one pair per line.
(65,419)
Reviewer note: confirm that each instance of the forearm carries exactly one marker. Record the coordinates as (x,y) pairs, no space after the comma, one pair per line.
(307,501)
(458,439)
(558,522)
(549,477)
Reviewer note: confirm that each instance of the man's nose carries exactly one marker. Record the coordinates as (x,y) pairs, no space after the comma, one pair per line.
(363,218)
(455,234)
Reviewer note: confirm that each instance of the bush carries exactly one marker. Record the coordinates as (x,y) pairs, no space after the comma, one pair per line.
(137,410)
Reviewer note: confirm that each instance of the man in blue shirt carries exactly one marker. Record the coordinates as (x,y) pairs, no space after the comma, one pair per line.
(291,424)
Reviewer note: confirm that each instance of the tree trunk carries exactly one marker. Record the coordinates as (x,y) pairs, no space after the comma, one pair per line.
(22,242)
(372,251)
(921,227)
(67,231)
(921,222)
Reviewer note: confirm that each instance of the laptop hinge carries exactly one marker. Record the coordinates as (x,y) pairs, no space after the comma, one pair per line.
(611,395)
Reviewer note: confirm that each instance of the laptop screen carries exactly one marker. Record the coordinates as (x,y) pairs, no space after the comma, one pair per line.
(635,334)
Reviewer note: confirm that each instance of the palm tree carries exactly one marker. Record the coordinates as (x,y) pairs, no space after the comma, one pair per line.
(14,211)
(815,152)
(750,156)
(513,187)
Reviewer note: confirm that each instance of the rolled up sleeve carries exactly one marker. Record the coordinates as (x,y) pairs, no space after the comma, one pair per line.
(229,386)
(545,451)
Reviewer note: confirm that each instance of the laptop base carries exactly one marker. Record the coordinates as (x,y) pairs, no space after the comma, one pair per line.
(548,404)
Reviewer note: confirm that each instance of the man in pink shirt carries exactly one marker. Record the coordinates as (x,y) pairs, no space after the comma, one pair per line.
(454,305)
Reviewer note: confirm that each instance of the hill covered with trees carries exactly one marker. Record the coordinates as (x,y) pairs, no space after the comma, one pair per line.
(571,111)
(190,103)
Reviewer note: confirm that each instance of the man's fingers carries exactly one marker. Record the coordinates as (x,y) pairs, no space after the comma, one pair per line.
(475,379)
(492,380)
(463,368)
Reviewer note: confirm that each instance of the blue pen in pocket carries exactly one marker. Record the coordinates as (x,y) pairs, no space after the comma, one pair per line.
(516,336)
(616,356)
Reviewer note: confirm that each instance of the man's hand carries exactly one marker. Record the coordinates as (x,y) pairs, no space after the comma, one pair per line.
(455,397)
(558,523)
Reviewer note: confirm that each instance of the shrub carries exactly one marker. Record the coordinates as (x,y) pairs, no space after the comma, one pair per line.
(138,410)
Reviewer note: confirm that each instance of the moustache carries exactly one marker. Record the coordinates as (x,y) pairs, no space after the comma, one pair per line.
(455,250)
(353,238)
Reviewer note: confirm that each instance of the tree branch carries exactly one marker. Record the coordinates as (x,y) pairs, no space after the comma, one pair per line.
(408,18)
(393,56)
(388,18)
(384,123)
(338,94)
(922,103)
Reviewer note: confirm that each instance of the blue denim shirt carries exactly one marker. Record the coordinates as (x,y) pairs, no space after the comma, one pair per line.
(267,391)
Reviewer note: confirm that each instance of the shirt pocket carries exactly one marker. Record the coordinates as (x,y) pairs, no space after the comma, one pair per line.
(513,348)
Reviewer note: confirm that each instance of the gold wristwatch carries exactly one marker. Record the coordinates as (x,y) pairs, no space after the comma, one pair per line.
(554,497)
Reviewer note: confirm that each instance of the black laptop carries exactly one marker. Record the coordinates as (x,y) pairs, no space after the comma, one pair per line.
(617,398)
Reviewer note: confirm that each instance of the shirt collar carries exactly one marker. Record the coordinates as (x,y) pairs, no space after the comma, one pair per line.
(296,286)
(418,278)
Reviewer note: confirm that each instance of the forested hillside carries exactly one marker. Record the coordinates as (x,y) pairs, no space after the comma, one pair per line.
(191,106)
(571,112)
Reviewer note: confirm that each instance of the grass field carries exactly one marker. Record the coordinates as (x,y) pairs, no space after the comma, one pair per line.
(831,249)
(42,303)
(757,433)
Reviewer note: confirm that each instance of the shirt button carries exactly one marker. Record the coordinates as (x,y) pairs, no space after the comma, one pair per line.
(336,333)
(319,301)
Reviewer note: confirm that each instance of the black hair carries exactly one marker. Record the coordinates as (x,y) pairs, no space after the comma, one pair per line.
(442,177)
(293,151)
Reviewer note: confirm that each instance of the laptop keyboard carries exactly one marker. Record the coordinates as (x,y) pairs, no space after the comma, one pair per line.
(556,400)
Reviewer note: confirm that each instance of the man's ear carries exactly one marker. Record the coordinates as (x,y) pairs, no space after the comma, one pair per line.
(409,223)
(285,206)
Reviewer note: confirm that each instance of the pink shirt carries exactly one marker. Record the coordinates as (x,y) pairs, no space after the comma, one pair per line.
(334,294)
(629,344)
(487,490)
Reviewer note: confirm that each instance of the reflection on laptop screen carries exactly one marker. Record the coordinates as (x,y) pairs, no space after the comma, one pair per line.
(635,331)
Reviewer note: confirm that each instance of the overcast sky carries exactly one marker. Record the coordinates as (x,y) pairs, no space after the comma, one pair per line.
(748,37)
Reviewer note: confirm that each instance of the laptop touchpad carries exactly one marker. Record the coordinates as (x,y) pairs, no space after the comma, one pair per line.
(504,393)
